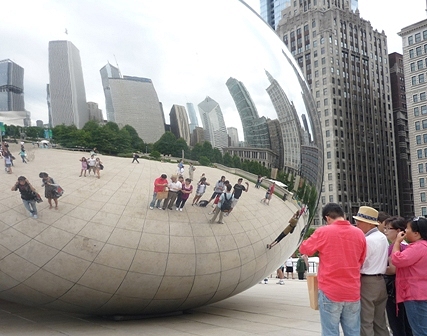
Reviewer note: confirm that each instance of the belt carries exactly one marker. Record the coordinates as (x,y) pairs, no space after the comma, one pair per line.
(371,274)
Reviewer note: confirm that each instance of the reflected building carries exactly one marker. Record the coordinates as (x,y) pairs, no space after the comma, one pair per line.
(255,129)
(179,123)
(95,113)
(289,124)
(66,86)
(213,123)
(276,140)
(345,62)
(197,136)
(194,122)
(264,156)
(11,86)
(271,10)
(234,136)
(133,101)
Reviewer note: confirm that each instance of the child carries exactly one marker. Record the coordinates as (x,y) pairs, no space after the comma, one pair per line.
(201,188)
(84,166)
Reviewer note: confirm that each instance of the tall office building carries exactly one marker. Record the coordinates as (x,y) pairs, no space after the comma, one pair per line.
(345,62)
(271,11)
(95,113)
(179,123)
(193,116)
(255,129)
(213,123)
(66,86)
(11,86)
(414,40)
(133,101)
(234,136)
(402,145)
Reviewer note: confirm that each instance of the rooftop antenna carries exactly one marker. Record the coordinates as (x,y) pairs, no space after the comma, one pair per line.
(120,73)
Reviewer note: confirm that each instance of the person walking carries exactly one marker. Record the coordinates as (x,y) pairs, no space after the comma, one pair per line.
(174,187)
(289,268)
(7,162)
(84,166)
(224,204)
(342,250)
(373,291)
(186,190)
(218,189)
(160,184)
(411,270)
(49,189)
(135,157)
(23,155)
(91,165)
(27,195)
(201,188)
(269,194)
(191,170)
(288,230)
(98,167)
(238,189)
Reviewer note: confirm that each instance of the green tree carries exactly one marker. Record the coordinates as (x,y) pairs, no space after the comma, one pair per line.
(179,146)
(155,154)
(166,144)
(204,161)
(196,152)
(136,142)
(216,155)
(227,159)
(237,163)
(207,150)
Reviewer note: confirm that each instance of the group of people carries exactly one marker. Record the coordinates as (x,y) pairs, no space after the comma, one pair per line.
(7,157)
(91,164)
(361,277)
(177,190)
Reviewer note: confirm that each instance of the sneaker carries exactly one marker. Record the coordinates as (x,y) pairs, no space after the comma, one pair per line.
(160,208)
(180,209)
(220,222)
(226,214)
(151,208)
(176,209)
(281,282)
(35,216)
(31,214)
(265,281)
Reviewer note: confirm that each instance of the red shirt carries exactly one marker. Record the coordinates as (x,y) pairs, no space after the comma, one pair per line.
(160,184)
(342,251)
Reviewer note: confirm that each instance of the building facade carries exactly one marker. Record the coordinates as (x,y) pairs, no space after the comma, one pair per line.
(271,11)
(345,63)
(66,85)
(179,123)
(414,40)
(194,122)
(401,143)
(11,86)
(264,156)
(133,101)
(213,123)
(197,136)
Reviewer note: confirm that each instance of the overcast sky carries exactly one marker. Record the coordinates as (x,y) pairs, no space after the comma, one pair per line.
(29,25)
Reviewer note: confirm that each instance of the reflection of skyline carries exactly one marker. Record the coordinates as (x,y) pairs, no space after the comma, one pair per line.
(289,123)
(213,123)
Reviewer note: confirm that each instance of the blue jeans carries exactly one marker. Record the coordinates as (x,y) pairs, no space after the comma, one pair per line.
(417,312)
(154,201)
(333,313)
(30,206)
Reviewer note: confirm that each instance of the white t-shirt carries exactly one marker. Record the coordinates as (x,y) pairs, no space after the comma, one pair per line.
(175,186)
(376,253)
(91,162)
(289,263)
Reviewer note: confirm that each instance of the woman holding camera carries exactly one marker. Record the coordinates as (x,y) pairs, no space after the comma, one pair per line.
(27,195)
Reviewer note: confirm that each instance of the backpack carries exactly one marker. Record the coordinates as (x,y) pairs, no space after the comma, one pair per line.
(226,204)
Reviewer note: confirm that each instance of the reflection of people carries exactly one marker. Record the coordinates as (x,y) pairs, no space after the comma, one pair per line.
(238,189)
(135,157)
(301,267)
(269,194)
(49,189)
(411,279)
(218,189)
(225,197)
(27,195)
(289,268)
(159,185)
(289,229)
(372,288)
(342,250)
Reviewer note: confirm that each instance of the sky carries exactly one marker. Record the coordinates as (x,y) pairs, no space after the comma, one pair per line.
(107,33)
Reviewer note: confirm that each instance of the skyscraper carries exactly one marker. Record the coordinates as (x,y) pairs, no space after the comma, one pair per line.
(133,101)
(234,136)
(11,86)
(414,40)
(179,123)
(193,117)
(66,85)
(345,62)
(213,123)
(271,10)
(401,143)
(255,129)
(95,113)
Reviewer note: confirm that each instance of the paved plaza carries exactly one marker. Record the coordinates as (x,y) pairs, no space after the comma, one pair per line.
(263,309)
(270,309)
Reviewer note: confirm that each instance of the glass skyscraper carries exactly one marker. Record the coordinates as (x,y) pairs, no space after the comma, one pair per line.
(11,86)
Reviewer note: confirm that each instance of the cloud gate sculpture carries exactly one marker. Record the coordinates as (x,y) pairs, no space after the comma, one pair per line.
(119,257)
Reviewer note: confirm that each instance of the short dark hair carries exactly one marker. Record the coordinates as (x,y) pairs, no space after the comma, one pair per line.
(382,216)
(228,187)
(21,178)
(332,210)
(395,222)
(419,224)
(240,179)
(43,175)
(163,176)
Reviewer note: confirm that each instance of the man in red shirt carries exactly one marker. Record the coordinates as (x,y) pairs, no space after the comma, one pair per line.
(159,185)
(342,251)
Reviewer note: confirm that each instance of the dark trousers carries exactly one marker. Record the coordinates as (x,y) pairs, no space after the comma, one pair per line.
(399,324)
(135,159)
(181,202)
(301,275)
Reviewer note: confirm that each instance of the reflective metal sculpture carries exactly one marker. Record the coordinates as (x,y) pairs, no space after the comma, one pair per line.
(217,58)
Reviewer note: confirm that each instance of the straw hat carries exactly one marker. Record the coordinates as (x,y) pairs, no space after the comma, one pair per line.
(368,215)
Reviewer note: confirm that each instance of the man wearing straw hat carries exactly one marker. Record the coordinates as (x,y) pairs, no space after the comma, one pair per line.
(373,291)
(342,250)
